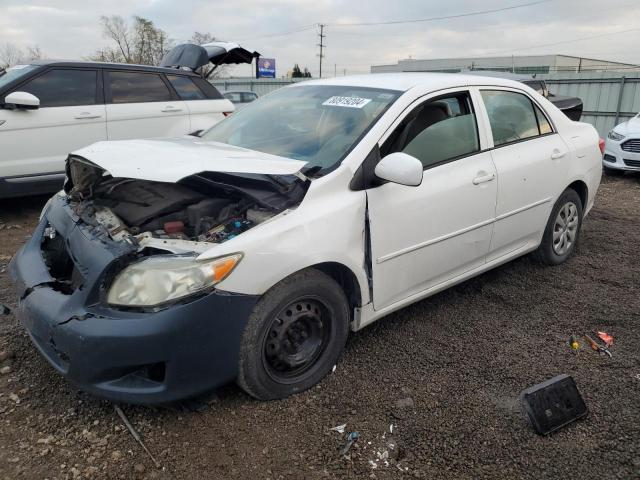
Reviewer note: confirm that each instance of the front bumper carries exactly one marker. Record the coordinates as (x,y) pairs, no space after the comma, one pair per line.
(618,159)
(129,356)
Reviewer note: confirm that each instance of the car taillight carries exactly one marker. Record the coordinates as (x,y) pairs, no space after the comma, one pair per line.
(601,145)
(226,114)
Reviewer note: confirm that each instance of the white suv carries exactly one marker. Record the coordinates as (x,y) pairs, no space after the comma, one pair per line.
(48,109)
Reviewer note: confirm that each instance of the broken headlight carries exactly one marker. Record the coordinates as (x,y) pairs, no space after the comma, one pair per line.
(163,278)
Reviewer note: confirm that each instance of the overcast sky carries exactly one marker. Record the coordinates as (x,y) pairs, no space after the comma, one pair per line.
(70,28)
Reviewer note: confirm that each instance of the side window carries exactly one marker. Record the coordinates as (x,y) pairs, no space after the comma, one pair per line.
(134,87)
(186,88)
(64,88)
(209,90)
(511,116)
(436,131)
(543,122)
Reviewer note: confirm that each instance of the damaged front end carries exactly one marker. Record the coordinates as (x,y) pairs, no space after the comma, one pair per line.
(111,290)
(173,223)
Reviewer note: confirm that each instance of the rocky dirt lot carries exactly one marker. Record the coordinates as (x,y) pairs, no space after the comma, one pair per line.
(446,373)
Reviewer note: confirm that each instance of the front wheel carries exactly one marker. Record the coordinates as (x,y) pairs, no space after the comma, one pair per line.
(294,336)
(563,229)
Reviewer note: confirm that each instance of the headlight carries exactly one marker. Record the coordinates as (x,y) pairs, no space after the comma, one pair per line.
(615,136)
(162,278)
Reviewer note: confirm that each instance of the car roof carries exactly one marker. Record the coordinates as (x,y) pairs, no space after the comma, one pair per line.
(407,80)
(113,66)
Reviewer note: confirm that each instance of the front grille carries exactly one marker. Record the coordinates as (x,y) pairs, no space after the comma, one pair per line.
(632,163)
(632,145)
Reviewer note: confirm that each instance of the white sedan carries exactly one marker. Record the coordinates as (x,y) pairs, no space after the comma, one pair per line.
(622,148)
(170,267)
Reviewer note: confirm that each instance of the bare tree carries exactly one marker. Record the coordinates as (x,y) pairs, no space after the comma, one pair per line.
(139,42)
(116,29)
(11,54)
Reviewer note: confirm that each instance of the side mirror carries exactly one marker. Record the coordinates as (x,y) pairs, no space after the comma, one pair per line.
(400,168)
(22,100)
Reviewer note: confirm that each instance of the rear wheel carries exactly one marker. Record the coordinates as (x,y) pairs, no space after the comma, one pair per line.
(563,229)
(294,336)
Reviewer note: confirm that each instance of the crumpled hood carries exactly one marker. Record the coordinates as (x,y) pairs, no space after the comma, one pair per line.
(172,159)
(630,126)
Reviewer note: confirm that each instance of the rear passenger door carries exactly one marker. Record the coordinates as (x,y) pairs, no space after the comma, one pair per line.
(531,161)
(142,105)
(205,104)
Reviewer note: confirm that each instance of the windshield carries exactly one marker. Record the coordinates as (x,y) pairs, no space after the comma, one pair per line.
(15,72)
(318,124)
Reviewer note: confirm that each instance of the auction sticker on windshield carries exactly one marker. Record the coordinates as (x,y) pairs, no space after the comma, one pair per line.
(351,102)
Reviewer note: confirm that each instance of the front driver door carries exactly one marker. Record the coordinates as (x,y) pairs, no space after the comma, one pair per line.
(423,236)
(35,143)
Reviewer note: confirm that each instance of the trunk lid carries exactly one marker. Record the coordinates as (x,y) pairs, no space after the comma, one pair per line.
(193,57)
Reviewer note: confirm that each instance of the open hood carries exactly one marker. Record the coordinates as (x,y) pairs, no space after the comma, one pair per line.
(193,57)
(171,160)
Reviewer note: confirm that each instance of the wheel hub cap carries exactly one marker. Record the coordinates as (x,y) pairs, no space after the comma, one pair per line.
(565,228)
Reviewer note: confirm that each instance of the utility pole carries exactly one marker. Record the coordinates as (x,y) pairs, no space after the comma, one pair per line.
(321,45)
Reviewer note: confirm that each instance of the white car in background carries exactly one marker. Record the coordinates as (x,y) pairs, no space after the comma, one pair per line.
(169,267)
(622,148)
(51,108)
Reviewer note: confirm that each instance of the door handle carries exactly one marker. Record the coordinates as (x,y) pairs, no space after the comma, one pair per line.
(170,109)
(86,116)
(556,154)
(483,178)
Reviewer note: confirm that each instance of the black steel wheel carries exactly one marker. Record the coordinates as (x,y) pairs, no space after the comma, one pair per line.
(294,336)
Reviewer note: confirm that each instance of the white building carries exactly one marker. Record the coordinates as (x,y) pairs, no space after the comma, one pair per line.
(526,64)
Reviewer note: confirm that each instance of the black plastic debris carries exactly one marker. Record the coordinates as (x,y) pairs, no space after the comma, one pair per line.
(553,404)
(4,310)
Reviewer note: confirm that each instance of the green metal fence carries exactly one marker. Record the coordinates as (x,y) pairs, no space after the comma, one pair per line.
(609,98)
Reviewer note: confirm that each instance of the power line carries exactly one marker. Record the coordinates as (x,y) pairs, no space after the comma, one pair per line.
(433,19)
(563,42)
(395,22)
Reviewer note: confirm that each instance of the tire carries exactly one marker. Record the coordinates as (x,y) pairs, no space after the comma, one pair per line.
(612,172)
(552,250)
(294,336)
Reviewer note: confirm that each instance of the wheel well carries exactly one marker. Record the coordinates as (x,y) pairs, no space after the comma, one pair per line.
(581,189)
(346,279)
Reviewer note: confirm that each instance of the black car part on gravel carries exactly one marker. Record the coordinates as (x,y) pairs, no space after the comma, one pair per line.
(553,404)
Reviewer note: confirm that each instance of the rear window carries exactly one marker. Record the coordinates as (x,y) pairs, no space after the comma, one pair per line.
(134,87)
(209,90)
(63,88)
(186,88)
(511,116)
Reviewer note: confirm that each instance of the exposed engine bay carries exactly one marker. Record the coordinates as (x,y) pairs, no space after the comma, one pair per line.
(177,217)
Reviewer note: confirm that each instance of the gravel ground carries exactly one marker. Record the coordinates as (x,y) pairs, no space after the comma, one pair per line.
(446,372)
